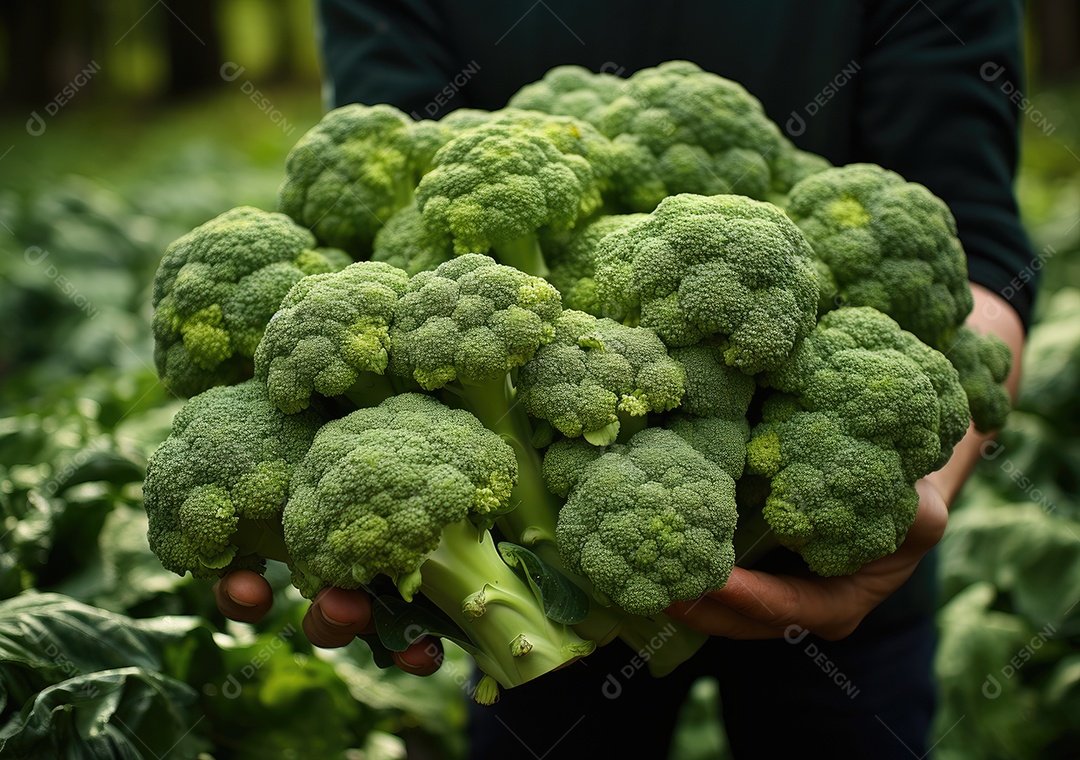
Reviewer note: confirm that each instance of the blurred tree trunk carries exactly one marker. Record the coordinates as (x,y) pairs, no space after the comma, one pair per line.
(1057,23)
(47,43)
(193,44)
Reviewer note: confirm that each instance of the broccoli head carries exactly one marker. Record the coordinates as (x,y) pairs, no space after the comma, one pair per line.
(379,485)
(983,362)
(496,185)
(215,488)
(330,329)
(866,409)
(571,259)
(218,286)
(838,499)
(889,244)
(708,134)
(394,490)
(724,265)
(649,522)
(354,170)
(596,371)
(570,91)
(470,319)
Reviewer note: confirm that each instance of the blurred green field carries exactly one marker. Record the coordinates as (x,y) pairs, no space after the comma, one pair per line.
(86,210)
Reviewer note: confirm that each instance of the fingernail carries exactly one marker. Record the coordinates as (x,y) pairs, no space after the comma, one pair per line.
(408,662)
(333,622)
(240,602)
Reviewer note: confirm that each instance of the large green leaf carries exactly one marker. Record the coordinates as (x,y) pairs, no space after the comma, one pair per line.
(119,713)
(1031,557)
(988,667)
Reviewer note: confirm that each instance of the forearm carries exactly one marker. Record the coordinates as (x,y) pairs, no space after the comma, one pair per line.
(992,314)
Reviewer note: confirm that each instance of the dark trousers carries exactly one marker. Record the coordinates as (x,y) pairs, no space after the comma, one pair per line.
(870,695)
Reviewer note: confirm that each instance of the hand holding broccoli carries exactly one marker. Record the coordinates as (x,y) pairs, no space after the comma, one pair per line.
(625,398)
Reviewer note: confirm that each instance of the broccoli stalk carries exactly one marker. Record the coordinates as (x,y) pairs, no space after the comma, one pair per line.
(531,520)
(514,640)
(523,253)
(461,330)
(398,490)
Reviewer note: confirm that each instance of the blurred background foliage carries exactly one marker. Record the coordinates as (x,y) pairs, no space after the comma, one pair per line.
(104,654)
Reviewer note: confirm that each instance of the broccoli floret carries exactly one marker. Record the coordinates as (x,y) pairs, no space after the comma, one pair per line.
(839,500)
(983,362)
(472,320)
(330,329)
(214,490)
(712,417)
(649,522)
(462,328)
(570,91)
(354,170)
(709,135)
(218,286)
(494,186)
(389,490)
(407,244)
(597,373)
(713,389)
(571,259)
(866,410)
(725,265)
(889,244)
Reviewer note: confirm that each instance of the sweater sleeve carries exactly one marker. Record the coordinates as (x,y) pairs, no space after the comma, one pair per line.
(936,104)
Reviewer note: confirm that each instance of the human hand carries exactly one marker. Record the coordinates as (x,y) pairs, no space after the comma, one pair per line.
(758,605)
(334,618)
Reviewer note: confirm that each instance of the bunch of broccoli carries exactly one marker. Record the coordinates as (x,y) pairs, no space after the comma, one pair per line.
(519,373)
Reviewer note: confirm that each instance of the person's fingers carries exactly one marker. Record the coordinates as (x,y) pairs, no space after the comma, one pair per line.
(752,605)
(243,596)
(931,519)
(422,658)
(336,616)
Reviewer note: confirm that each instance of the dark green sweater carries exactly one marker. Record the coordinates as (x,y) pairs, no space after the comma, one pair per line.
(895,83)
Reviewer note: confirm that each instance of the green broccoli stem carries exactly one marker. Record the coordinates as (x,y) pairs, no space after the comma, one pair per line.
(371,389)
(515,641)
(264,538)
(629,425)
(531,523)
(523,253)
